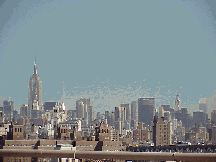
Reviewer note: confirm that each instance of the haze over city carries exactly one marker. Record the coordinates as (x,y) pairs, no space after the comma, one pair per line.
(107,80)
(110,51)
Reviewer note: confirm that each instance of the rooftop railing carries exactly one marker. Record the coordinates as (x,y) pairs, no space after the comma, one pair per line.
(101,155)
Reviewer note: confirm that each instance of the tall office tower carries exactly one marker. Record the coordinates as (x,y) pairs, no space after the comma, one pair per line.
(24,110)
(8,107)
(146,110)
(161,112)
(167,116)
(177,103)
(120,113)
(34,89)
(120,118)
(128,113)
(213,117)
(154,135)
(90,113)
(107,116)
(184,118)
(2,119)
(200,118)
(134,114)
(85,110)
(79,109)
(112,118)
(203,105)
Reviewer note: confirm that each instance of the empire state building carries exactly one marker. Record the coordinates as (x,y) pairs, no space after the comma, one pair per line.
(34,91)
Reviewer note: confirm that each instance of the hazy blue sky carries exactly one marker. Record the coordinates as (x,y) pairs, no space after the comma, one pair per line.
(111,51)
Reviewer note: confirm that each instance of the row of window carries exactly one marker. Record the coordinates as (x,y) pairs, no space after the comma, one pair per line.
(17,160)
(63,130)
(18,129)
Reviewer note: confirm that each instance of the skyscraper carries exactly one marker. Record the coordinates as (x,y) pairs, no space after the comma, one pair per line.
(203,104)
(177,103)
(34,90)
(85,110)
(128,113)
(8,107)
(146,109)
(134,114)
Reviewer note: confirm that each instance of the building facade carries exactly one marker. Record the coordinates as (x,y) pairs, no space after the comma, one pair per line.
(163,132)
(146,110)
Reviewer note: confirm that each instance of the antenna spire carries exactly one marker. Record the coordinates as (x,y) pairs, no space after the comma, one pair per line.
(35,67)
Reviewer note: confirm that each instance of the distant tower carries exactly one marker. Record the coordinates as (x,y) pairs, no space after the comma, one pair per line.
(177,103)
(34,90)
(134,114)
(146,110)
(85,110)
(128,112)
(203,104)
(8,107)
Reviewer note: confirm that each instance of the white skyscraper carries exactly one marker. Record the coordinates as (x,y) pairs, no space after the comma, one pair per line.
(177,103)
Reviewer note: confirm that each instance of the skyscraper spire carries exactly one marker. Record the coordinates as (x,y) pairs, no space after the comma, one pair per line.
(35,67)
(177,102)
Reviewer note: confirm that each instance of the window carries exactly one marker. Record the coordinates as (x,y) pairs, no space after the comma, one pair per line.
(15,129)
(20,129)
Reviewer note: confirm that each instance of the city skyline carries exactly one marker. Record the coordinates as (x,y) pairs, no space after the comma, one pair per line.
(148,48)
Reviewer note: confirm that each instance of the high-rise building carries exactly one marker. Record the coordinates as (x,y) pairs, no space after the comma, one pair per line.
(79,109)
(112,118)
(213,117)
(128,112)
(146,110)
(34,90)
(108,117)
(127,121)
(134,114)
(203,104)
(120,118)
(8,107)
(163,132)
(154,130)
(177,103)
(167,116)
(120,113)
(24,110)
(85,110)
(200,118)
(161,112)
